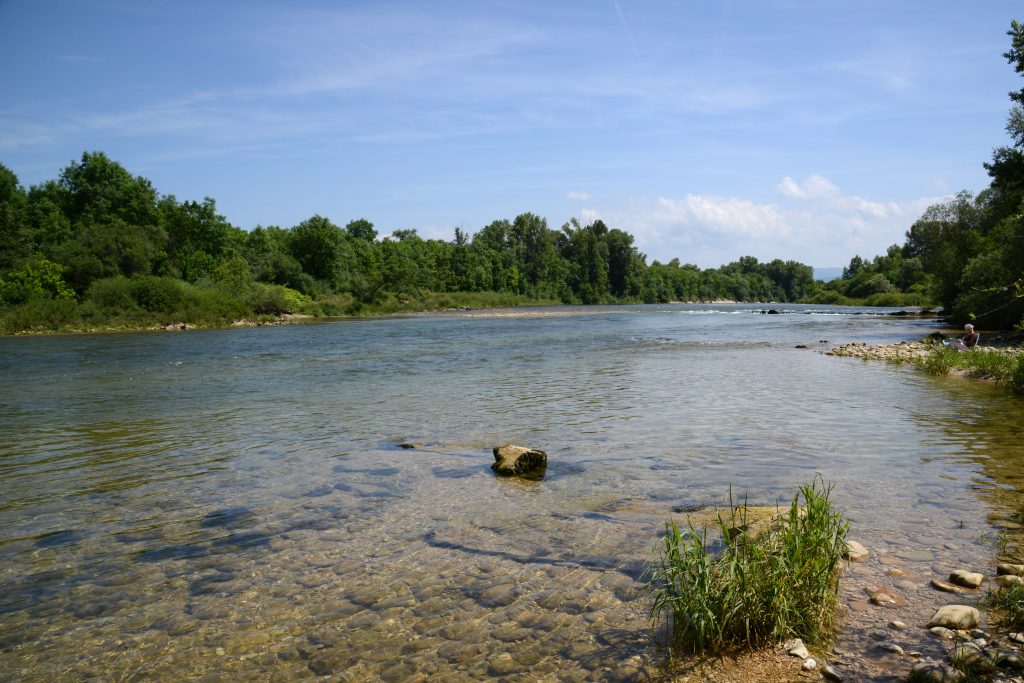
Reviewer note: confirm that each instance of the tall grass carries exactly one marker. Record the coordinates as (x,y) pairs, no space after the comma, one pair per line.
(776,584)
(1009,606)
(978,363)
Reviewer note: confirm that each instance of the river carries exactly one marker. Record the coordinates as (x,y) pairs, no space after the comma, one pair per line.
(237,505)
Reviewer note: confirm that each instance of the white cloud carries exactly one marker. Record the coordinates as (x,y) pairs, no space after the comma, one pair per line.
(812,188)
(578,196)
(814,223)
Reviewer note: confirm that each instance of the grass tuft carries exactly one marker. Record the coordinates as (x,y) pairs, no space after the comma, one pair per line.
(776,584)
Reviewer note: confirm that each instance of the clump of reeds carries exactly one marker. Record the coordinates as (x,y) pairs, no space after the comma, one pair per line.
(1008,604)
(979,363)
(762,588)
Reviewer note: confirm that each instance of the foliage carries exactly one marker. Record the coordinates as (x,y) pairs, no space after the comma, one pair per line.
(35,278)
(779,584)
(1009,606)
(978,363)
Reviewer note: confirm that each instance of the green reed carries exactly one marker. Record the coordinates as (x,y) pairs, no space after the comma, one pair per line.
(1008,604)
(773,585)
(979,364)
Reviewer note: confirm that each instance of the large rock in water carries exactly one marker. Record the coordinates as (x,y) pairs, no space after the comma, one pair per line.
(510,460)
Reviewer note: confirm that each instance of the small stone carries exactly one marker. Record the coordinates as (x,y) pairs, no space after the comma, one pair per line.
(970,656)
(933,672)
(829,673)
(1010,569)
(895,571)
(968,579)
(955,616)
(1009,580)
(1017,637)
(943,632)
(512,460)
(946,587)
(891,647)
(878,635)
(219,652)
(885,598)
(796,648)
(808,664)
(897,625)
(1006,658)
(978,633)
(855,552)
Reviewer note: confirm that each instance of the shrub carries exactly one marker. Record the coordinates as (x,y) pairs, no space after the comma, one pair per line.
(778,584)
(40,314)
(156,294)
(113,295)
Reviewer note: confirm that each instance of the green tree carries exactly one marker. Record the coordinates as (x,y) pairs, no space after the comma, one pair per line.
(316,245)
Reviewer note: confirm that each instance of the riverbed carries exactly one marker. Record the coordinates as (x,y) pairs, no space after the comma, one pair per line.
(238,504)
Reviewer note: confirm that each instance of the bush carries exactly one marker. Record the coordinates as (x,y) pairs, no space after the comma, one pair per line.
(112,295)
(40,314)
(778,584)
(156,294)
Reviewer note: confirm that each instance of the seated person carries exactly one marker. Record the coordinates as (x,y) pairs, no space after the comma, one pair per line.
(966,342)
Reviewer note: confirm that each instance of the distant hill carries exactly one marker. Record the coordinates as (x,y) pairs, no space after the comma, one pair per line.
(828,274)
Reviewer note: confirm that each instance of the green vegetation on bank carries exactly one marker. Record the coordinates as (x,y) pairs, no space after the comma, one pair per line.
(99,247)
(779,583)
(1005,368)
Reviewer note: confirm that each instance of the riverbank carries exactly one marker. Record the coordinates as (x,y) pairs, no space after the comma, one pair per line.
(1002,362)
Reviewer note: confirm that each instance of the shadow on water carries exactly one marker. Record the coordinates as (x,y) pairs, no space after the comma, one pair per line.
(631,569)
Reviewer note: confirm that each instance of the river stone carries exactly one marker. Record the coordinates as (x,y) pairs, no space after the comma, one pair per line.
(510,460)
(968,579)
(1010,569)
(796,648)
(829,673)
(933,672)
(1006,658)
(885,598)
(956,617)
(855,552)
(808,664)
(970,656)
(943,632)
(1009,580)
(946,587)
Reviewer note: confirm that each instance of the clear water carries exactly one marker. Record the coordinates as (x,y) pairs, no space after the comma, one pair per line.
(234,504)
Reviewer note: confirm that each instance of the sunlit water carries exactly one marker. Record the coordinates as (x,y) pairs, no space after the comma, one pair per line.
(234,504)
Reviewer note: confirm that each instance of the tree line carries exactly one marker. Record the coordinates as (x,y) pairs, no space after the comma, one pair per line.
(105,239)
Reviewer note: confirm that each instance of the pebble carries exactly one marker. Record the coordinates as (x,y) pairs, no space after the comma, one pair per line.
(796,648)
(1010,569)
(808,664)
(891,647)
(829,673)
(897,625)
(946,587)
(1009,580)
(855,552)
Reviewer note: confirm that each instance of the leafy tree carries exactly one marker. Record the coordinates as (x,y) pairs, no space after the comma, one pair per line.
(316,245)
(361,229)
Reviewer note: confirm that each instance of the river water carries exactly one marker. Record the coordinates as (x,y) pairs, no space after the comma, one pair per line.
(236,504)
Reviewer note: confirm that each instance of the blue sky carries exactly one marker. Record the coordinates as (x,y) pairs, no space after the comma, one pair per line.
(709,130)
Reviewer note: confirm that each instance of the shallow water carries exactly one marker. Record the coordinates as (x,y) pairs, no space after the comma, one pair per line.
(234,504)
